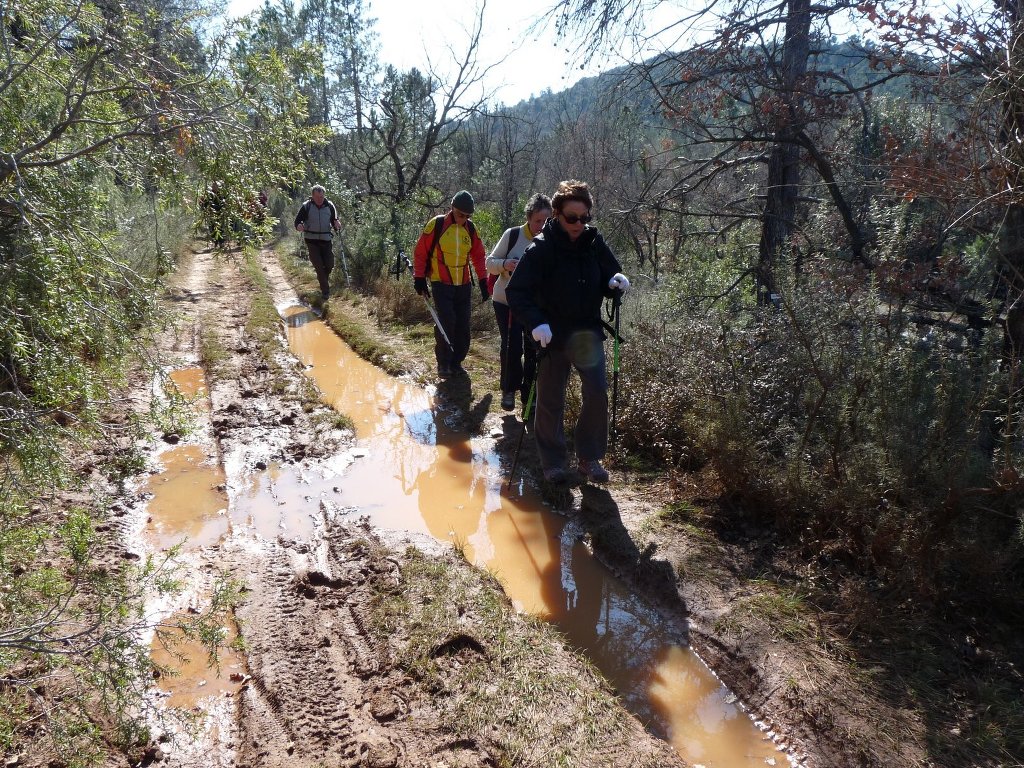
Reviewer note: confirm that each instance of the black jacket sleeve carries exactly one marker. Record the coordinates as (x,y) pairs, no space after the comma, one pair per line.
(608,263)
(300,217)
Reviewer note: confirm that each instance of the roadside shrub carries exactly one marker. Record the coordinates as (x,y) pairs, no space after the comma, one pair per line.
(656,409)
(835,417)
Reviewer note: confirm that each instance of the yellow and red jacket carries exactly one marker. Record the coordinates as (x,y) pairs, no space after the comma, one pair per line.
(458,247)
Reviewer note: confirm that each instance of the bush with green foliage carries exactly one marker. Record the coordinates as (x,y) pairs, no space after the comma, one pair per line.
(835,416)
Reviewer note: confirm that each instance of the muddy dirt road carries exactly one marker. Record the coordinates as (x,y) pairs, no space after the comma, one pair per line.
(357,648)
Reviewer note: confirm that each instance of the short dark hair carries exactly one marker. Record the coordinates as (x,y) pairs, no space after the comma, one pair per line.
(572,189)
(539,202)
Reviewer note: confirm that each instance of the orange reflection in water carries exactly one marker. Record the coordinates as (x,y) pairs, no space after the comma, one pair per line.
(419,475)
(188,499)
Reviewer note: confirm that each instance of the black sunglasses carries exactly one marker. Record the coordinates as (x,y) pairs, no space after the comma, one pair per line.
(571,218)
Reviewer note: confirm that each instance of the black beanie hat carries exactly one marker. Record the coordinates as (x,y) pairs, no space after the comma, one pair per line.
(463,201)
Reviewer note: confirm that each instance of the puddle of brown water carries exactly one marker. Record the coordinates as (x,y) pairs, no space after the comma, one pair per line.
(189,382)
(193,677)
(418,475)
(188,503)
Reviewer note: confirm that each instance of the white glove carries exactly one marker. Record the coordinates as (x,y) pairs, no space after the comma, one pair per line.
(619,281)
(542,334)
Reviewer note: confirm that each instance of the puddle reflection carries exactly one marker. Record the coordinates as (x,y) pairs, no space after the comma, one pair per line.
(419,475)
(279,500)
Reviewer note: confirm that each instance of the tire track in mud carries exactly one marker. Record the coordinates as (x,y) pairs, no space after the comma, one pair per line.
(255,417)
(315,702)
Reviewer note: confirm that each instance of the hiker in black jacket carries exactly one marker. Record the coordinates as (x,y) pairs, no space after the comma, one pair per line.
(557,290)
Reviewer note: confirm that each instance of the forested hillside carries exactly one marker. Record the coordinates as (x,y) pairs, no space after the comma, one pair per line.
(825,333)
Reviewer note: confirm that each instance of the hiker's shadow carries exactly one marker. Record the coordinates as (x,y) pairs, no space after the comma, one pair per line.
(455,401)
(612,543)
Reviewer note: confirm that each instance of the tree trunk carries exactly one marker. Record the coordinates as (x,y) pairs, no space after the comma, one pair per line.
(1010,270)
(783,183)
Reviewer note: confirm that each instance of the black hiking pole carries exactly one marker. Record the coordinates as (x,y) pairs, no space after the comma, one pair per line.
(526,418)
(401,264)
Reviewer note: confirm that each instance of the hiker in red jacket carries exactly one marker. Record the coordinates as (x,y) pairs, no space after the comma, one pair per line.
(445,251)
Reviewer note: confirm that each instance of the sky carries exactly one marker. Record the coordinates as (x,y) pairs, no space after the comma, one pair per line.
(524,63)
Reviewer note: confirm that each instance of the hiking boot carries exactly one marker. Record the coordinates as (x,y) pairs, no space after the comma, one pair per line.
(556,476)
(443,370)
(458,370)
(325,295)
(508,401)
(593,471)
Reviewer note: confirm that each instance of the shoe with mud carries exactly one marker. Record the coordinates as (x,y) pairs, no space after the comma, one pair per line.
(593,472)
(508,401)
(556,476)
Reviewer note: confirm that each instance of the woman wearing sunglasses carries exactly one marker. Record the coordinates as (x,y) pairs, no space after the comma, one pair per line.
(557,290)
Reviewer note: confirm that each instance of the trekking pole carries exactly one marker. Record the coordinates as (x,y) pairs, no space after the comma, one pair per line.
(616,305)
(437,321)
(526,418)
(344,262)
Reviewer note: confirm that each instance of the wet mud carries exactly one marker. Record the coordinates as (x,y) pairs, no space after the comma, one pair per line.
(259,489)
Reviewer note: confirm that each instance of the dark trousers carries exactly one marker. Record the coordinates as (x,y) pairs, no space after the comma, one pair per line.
(518,354)
(322,258)
(452,303)
(584,351)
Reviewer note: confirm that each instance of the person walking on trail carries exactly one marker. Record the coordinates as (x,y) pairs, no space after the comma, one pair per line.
(518,354)
(445,251)
(556,291)
(316,220)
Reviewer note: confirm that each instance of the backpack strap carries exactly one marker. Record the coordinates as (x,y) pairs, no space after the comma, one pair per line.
(439,230)
(513,237)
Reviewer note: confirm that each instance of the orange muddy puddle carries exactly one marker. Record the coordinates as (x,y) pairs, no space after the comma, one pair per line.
(189,502)
(418,475)
(189,382)
(192,677)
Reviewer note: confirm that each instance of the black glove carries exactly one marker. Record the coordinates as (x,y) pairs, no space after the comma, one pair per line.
(483,290)
(420,284)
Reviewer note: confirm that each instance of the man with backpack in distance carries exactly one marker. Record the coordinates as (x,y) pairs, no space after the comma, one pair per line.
(316,220)
(446,249)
